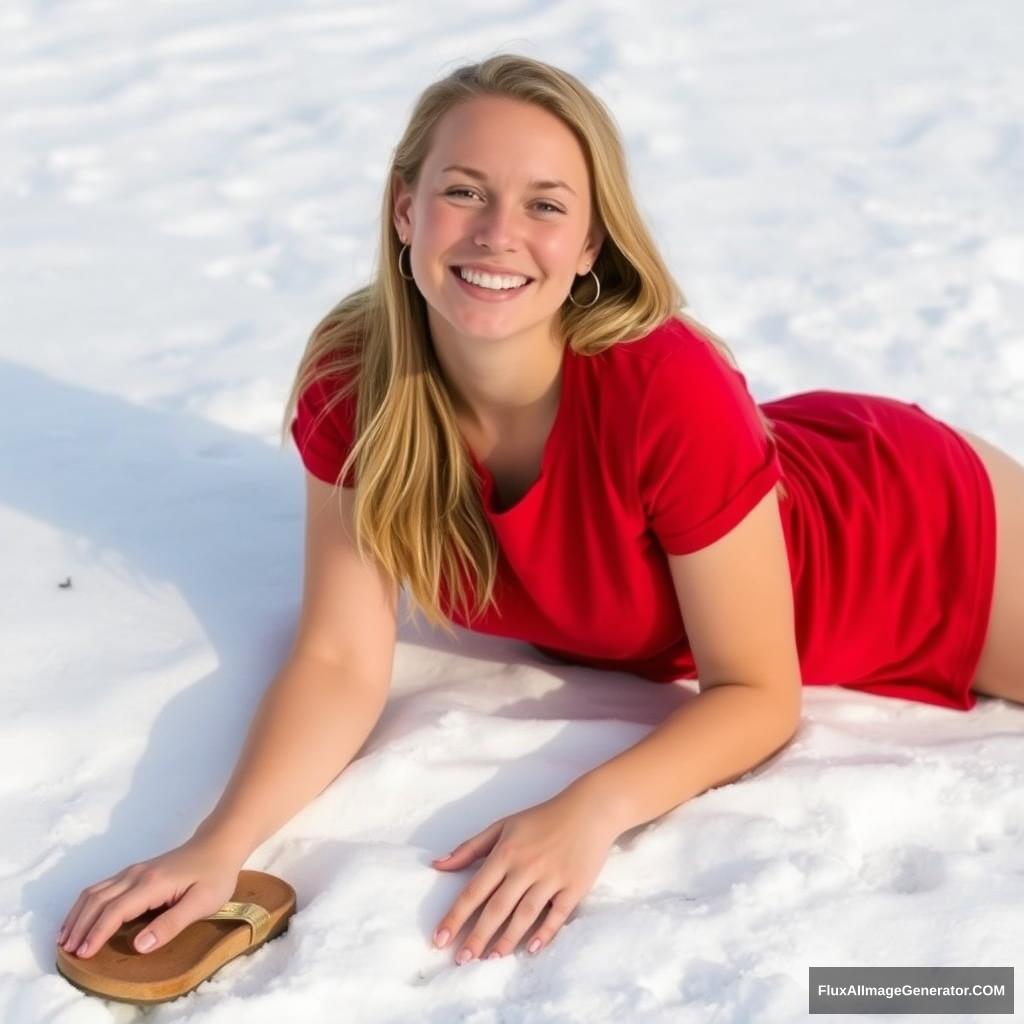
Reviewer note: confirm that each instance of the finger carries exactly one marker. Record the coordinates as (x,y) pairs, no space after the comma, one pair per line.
(79,906)
(112,915)
(563,904)
(190,908)
(528,912)
(147,887)
(87,908)
(476,892)
(182,911)
(78,909)
(502,904)
(472,849)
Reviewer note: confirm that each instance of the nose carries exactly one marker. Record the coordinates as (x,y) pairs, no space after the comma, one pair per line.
(496,228)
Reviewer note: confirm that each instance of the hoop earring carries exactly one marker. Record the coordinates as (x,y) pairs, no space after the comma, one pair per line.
(401,271)
(593,301)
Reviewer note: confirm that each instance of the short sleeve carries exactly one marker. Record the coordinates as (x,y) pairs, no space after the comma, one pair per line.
(704,458)
(324,428)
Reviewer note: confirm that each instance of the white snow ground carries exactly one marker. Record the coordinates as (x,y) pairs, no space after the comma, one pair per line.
(185,187)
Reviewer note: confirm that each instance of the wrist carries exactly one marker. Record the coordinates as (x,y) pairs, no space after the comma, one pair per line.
(609,800)
(229,839)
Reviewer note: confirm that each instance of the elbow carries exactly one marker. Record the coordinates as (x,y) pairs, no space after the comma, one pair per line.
(779,712)
(787,713)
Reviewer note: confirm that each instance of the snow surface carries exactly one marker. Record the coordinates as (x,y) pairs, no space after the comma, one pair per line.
(185,187)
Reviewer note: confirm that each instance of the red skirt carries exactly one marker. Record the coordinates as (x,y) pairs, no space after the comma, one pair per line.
(890,523)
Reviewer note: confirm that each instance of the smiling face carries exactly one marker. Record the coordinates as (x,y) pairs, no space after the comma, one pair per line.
(499,222)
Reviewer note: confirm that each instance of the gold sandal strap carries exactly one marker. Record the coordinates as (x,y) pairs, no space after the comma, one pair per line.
(253,914)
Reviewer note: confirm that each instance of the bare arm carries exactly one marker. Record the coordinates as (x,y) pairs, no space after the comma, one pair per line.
(736,600)
(321,706)
(314,717)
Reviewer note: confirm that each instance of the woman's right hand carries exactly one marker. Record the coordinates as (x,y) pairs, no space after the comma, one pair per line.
(192,880)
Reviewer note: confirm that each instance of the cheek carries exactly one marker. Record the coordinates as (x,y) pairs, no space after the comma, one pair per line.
(562,252)
(437,223)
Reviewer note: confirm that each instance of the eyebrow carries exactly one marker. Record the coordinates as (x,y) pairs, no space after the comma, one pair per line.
(543,186)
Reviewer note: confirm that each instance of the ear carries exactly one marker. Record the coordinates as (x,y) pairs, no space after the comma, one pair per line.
(591,250)
(401,205)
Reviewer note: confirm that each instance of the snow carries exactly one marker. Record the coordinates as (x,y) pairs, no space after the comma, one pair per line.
(185,188)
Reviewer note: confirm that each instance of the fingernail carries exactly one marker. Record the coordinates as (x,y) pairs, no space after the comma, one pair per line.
(441,938)
(440,860)
(494,956)
(534,945)
(145,942)
(61,934)
(464,957)
(82,949)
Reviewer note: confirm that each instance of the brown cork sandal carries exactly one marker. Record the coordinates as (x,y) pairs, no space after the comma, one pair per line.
(258,912)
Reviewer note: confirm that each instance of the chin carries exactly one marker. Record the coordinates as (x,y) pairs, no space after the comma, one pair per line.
(486,329)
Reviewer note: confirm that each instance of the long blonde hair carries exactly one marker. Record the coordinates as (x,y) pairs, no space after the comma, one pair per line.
(418,511)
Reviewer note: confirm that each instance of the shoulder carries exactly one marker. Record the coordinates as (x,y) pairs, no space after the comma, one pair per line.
(674,344)
(674,359)
(324,421)
(702,453)
(681,383)
(329,390)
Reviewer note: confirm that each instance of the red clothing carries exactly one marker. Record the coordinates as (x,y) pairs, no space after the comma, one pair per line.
(657,448)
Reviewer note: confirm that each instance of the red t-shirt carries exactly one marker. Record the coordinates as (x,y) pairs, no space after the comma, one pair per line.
(657,448)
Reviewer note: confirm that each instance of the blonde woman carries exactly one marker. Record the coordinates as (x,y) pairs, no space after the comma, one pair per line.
(515,422)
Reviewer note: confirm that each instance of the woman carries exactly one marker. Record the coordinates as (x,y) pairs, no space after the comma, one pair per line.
(533,440)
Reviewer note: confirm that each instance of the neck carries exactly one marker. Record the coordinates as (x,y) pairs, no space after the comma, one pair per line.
(496,382)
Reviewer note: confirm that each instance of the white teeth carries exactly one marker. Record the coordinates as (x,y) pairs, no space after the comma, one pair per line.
(496,282)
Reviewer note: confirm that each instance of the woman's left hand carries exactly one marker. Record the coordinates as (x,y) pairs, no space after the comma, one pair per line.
(540,863)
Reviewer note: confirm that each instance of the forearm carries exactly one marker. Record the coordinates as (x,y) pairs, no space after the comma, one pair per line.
(713,739)
(310,723)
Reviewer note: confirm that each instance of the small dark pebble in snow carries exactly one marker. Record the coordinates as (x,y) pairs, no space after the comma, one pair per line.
(66,585)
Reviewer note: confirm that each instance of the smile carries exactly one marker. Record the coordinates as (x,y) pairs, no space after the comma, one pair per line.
(492,282)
